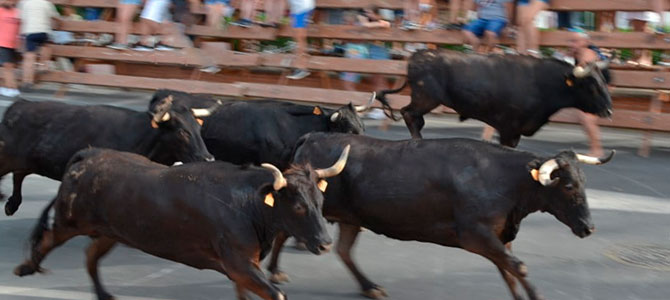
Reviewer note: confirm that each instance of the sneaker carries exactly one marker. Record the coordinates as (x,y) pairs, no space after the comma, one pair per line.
(298,74)
(211,69)
(407,25)
(269,25)
(4,92)
(118,46)
(245,23)
(12,93)
(161,47)
(376,114)
(143,48)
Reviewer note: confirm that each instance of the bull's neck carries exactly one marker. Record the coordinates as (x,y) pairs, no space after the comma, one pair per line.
(528,196)
(145,137)
(264,222)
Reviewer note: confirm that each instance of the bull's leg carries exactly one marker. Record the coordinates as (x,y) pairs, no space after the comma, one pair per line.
(50,240)
(413,113)
(483,242)
(509,279)
(277,276)
(15,200)
(509,140)
(248,276)
(96,250)
(346,240)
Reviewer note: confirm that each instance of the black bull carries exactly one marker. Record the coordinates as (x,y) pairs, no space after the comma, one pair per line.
(452,192)
(264,130)
(514,94)
(211,215)
(41,137)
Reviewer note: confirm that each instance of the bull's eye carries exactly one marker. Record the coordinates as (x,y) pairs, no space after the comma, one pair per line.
(569,187)
(299,209)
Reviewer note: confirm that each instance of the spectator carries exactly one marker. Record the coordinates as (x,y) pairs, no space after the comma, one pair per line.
(528,38)
(9,33)
(301,11)
(366,18)
(492,19)
(661,6)
(125,12)
(410,15)
(247,11)
(36,23)
(584,52)
(153,15)
(456,13)
(274,11)
(216,10)
(428,14)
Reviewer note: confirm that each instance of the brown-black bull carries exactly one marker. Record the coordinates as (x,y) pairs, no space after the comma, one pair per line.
(41,137)
(514,94)
(214,215)
(265,130)
(452,192)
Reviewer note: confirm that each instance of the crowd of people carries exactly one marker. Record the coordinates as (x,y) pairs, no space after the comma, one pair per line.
(26,25)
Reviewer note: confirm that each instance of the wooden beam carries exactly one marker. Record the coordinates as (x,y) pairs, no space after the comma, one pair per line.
(641,79)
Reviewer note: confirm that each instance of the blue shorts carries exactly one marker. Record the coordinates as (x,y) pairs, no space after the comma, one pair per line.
(133,2)
(300,20)
(210,2)
(526,2)
(479,26)
(35,40)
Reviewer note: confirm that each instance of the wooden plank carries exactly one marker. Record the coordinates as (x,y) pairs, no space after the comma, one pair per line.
(190,57)
(622,119)
(561,5)
(338,64)
(641,79)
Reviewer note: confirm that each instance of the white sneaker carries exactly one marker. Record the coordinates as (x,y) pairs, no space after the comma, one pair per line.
(13,93)
(298,74)
(4,92)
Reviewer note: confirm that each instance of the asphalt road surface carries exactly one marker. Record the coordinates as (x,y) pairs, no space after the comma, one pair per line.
(628,258)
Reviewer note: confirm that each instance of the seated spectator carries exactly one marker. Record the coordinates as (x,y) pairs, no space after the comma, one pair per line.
(125,13)
(492,19)
(216,10)
(9,34)
(154,14)
(528,37)
(36,23)
(301,12)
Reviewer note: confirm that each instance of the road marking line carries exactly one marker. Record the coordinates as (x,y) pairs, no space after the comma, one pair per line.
(627,202)
(58,294)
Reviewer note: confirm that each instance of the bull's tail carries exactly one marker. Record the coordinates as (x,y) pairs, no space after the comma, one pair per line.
(42,226)
(381,96)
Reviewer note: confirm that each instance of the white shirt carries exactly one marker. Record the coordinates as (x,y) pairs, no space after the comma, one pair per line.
(301,6)
(36,16)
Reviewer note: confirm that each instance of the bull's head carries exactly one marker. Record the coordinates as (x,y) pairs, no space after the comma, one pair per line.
(590,87)
(346,119)
(563,188)
(179,131)
(297,199)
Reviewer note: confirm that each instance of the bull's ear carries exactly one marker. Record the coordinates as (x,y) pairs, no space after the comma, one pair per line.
(533,169)
(317,111)
(323,184)
(570,80)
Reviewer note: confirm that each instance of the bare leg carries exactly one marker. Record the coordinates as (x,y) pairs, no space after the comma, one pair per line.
(471,39)
(15,199)
(214,14)
(411,10)
(124,18)
(532,32)
(8,74)
(487,133)
(491,40)
(454,10)
(301,48)
(481,241)
(248,9)
(45,58)
(96,250)
(277,276)
(590,125)
(274,10)
(29,60)
(345,242)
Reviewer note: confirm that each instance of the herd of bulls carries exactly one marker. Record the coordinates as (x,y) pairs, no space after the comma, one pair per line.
(120,183)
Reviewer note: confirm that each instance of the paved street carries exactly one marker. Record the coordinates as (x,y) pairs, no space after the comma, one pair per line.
(628,258)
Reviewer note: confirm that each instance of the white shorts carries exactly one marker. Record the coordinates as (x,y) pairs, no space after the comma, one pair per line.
(156,10)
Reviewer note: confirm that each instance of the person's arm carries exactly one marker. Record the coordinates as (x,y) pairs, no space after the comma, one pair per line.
(365,22)
(509,9)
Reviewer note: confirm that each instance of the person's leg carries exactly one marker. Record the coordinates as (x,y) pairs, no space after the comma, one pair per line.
(472,31)
(300,35)
(454,11)
(532,33)
(490,41)
(659,7)
(125,14)
(590,125)
(8,75)
(45,58)
(274,10)
(215,11)
(411,11)
(493,29)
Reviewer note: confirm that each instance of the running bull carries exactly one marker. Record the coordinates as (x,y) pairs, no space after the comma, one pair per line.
(41,137)
(265,130)
(215,216)
(514,94)
(475,197)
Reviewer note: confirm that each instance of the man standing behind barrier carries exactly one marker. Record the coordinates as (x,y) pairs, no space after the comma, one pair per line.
(9,33)
(301,11)
(36,21)
(492,19)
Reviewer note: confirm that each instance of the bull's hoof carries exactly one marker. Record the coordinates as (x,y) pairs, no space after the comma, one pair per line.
(11,206)
(24,270)
(376,292)
(279,277)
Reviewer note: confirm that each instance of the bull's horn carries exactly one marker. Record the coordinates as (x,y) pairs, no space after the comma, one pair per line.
(602,64)
(205,112)
(336,168)
(362,108)
(280,181)
(334,116)
(580,71)
(590,160)
(157,118)
(162,110)
(544,176)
